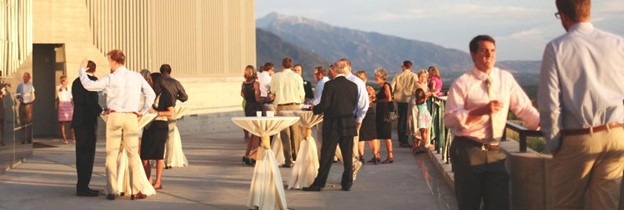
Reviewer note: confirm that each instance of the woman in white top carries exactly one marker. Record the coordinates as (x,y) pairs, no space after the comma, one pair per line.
(65,106)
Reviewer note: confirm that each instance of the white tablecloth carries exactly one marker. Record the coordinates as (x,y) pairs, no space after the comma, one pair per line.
(267,189)
(123,175)
(174,155)
(306,167)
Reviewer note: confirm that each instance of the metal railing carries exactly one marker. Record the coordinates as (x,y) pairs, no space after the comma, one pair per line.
(442,137)
(523,133)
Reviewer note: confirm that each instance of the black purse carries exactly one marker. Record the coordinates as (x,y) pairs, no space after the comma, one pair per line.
(392,114)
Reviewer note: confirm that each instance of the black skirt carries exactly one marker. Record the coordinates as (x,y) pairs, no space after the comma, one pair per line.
(153,140)
(384,129)
(368,131)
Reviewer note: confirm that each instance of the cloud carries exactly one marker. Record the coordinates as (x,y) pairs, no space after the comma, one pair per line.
(454,11)
(533,33)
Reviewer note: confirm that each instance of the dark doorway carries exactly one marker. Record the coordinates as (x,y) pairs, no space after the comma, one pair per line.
(48,63)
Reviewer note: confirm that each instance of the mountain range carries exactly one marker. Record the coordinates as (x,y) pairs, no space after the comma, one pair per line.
(313,43)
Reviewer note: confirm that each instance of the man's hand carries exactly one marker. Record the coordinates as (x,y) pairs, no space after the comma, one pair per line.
(493,106)
(84,63)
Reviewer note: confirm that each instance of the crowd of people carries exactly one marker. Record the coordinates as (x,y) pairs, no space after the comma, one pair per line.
(372,111)
(580,113)
(131,98)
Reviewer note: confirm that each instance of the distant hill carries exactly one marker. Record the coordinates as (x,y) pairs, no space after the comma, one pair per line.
(368,50)
(271,48)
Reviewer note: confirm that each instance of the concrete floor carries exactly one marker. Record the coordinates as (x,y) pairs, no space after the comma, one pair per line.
(216,179)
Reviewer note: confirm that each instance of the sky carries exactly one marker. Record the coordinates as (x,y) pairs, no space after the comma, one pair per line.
(521,27)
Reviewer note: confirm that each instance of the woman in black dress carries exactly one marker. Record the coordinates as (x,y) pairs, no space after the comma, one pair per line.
(384,103)
(368,131)
(155,135)
(250,91)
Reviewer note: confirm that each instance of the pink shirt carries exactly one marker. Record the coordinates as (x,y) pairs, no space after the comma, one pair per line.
(469,92)
(436,84)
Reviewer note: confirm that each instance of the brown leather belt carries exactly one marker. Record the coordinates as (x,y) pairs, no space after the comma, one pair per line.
(585,131)
(484,147)
(135,113)
(288,104)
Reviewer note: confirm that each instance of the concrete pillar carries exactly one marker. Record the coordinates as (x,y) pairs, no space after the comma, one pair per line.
(531,180)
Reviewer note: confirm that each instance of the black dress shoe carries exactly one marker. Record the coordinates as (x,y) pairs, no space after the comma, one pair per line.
(87,193)
(110,197)
(346,189)
(312,188)
(94,191)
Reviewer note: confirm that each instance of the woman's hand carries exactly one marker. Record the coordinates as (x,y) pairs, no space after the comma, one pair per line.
(152,111)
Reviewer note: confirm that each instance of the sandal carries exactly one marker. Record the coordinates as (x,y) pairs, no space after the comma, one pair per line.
(389,160)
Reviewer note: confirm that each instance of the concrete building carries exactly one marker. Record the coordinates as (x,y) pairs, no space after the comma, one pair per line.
(207,43)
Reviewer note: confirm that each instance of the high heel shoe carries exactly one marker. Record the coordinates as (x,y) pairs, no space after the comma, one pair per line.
(389,160)
(249,161)
(374,160)
(245,161)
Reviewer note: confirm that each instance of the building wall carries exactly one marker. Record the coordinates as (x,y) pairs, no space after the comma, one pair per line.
(15,34)
(207,42)
(197,37)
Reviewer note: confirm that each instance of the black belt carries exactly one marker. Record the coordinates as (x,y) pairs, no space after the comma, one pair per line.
(288,104)
(484,147)
(24,104)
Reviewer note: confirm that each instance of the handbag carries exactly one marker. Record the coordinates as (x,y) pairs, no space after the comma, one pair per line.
(392,114)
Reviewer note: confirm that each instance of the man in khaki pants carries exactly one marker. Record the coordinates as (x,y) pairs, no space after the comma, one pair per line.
(580,102)
(289,94)
(124,89)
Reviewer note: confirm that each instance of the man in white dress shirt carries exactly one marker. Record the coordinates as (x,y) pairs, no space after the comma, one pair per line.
(124,89)
(580,98)
(321,79)
(264,78)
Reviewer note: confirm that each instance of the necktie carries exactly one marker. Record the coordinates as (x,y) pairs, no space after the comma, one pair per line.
(495,118)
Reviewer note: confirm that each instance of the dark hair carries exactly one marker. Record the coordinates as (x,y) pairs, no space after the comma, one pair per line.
(91,65)
(421,97)
(287,62)
(156,82)
(407,64)
(576,10)
(117,56)
(298,65)
(474,43)
(267,66)
(165,69)
(320,70)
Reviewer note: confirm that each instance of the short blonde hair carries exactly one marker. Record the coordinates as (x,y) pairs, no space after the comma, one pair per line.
(422,71)
(250,73)
(382,73)
(362,75)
